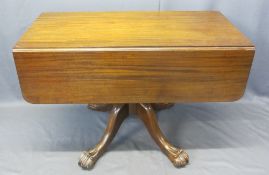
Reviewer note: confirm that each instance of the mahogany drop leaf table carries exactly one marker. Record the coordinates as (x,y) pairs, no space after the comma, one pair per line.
(132,62)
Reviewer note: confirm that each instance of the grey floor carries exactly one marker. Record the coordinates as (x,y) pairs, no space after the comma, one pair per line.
(221,138)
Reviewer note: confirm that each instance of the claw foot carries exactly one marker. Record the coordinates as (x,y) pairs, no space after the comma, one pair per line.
(87,160)
(181,159)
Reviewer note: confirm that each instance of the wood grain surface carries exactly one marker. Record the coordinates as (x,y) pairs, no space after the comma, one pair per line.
(133,57)
(131,29)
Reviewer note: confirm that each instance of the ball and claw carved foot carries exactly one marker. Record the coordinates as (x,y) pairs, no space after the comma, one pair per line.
(87,159)
(181,159)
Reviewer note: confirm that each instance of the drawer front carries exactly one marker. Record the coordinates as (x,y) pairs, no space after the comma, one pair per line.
(133,76)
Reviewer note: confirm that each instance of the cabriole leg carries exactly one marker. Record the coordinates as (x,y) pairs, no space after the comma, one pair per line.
(117,115)
(176,155)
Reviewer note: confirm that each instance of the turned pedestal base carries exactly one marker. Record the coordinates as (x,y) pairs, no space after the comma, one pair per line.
(118,112)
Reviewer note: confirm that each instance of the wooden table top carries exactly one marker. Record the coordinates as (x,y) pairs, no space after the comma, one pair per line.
(131,29)
(132,57)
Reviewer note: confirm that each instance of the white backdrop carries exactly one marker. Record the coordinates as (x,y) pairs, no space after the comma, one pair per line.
(222,138)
